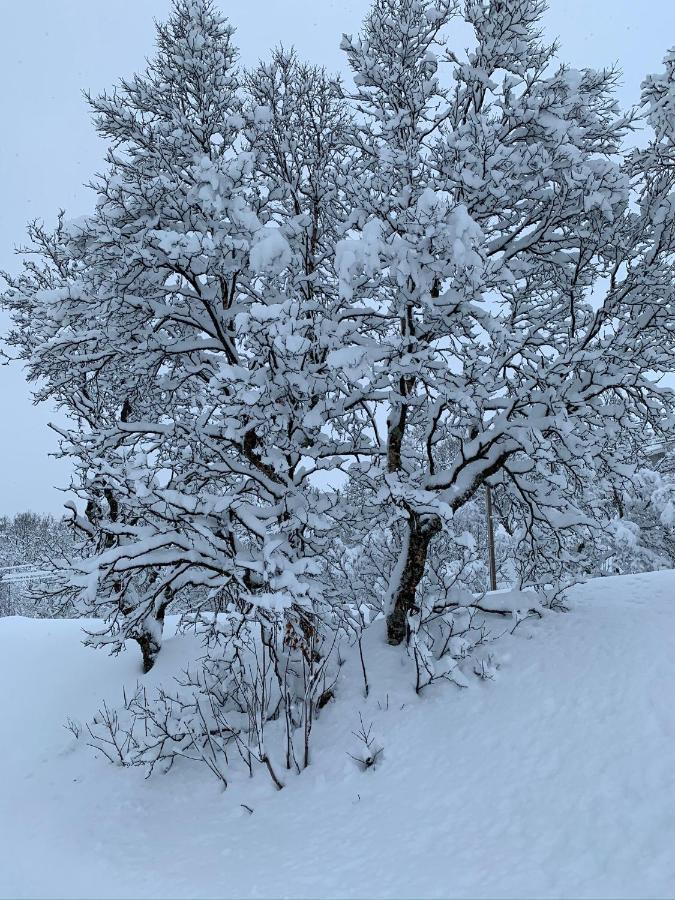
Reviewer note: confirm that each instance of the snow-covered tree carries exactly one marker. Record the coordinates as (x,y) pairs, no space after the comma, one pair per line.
(513,306)
(200,314)
(170,131)
(445,278)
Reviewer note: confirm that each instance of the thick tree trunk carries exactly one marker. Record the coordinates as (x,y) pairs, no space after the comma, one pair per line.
(422,529)
(150,648)
(150,641)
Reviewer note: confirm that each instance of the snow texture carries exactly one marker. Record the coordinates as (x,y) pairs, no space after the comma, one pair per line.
(554,778)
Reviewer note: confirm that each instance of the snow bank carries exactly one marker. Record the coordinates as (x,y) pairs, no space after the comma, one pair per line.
(555,778)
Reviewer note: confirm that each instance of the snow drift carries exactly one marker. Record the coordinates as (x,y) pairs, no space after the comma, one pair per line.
(554,777)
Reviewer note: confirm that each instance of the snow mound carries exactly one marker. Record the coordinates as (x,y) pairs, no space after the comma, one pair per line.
(554,777)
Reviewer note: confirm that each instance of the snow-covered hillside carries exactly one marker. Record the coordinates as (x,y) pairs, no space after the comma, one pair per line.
(554,778)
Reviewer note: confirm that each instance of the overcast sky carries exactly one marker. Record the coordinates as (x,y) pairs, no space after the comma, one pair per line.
(53,49)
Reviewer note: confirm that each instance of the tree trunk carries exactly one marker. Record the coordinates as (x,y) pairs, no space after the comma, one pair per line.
(150,641)
(492,566)
(150,648)
(422,529)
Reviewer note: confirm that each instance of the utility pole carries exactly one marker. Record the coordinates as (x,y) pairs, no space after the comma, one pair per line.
(490,539)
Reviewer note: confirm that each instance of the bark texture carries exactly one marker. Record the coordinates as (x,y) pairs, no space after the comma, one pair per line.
(423,528)
(151,642)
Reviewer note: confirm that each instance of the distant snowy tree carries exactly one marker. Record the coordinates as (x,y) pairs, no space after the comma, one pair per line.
(30,543)
(641,516)
(28,537)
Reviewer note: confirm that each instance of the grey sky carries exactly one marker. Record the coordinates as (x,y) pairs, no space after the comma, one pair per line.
(53,49)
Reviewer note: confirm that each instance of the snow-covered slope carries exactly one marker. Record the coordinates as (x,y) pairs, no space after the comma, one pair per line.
(555,778)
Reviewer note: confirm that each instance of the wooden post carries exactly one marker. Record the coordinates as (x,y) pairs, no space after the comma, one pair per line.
(490,539)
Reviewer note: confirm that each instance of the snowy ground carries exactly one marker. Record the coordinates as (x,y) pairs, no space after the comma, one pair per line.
(557,778)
